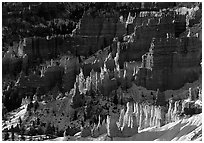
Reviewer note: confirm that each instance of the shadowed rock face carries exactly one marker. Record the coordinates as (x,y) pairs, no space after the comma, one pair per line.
(146,26)
(170,58)
(175,62)
(176,54)
(91,34)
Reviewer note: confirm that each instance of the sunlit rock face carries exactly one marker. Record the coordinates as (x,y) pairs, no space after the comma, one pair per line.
(98,32)
(174,49)
(147,25)
(135,117)
(112,76)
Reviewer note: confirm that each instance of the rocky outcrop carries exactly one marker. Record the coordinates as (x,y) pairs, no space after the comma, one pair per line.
(148,25)
(71,69)
(100,29)
(11,66)
(39,49)
(172,64)
(12,63)
(137,116)
(77,99)
(49,78)
(97,32)
(189,105)
(59,74)
(127,121)
(101,84)
(99,129)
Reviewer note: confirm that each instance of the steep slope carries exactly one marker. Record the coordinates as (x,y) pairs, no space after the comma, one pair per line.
(109,82)
(181,130)
(188,129)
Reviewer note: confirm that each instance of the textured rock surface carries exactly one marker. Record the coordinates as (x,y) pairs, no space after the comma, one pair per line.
(118,58)
(152,25)
(71,67)
(175,62)
(102,28)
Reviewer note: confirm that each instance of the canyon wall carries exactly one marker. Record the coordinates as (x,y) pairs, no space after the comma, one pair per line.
(152,25)
(175,62)
(91,34)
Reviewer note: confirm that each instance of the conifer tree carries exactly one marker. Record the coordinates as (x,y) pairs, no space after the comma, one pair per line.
(20,121)
(48,129)
(12,135)
(115,99)
(6,136)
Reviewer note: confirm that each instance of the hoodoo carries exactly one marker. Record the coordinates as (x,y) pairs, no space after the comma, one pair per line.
(102,71)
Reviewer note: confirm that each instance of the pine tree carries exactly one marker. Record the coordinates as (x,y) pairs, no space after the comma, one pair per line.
(40,130)
(53,129)
(20,121)
(22,137)
(6,136)
(36,105)
(115,99)
(48,129)
(38,121)
(75,115)
(22,130)
(121,102)
(56,131)
(17,128)
(12,136)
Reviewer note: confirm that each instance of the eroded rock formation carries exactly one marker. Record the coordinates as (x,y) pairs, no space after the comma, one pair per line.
(172,63)
(121,77)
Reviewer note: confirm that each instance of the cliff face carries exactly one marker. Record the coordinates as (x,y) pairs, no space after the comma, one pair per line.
(150,25)
(98,32)
(170,55)
(92,34)
(71,67)
(175,62)
(176,54)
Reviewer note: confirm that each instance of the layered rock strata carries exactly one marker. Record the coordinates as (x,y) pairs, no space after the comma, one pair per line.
(171,63)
